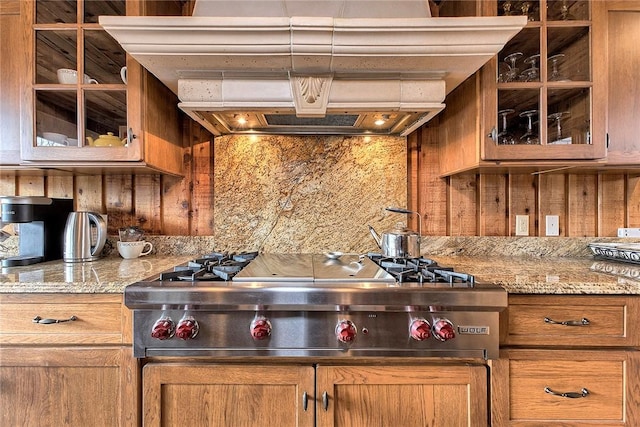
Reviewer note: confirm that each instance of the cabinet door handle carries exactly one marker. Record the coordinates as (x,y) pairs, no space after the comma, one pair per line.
(570,394)
(325,400)
(42,321)
(582,322)
(305,401)
(493,135)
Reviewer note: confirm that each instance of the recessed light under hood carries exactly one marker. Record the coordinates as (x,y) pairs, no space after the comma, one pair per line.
(372,67)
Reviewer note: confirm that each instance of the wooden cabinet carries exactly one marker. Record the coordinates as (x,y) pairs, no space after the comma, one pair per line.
(297,395)
(64,116)
(567,360)
(617,35)
(77,372)
(538,104)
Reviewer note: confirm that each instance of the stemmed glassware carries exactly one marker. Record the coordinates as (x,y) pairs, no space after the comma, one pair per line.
(512,73)
(529,137)
(506,8)
(565,15)
(557,116)
(505,137)
(555,73)
(525,7)
(532,73)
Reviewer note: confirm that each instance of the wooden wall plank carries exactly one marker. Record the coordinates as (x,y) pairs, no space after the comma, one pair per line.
(632,201)
(582,205)
(59,186)
(147,203)
(493,212)
(522,189)
(462,205)
(611,199)
(202,190)
(88,193)
(30,186)
(414,169)
(118,194)
(433,189)
(552,200)
(7,185)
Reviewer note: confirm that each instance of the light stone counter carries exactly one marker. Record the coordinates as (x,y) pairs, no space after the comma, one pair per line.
(107,275)
(550,275)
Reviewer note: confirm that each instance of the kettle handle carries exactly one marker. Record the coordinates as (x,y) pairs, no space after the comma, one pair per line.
(407,211)
(101,227)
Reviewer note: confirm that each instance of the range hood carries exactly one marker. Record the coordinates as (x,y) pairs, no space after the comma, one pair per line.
(376,67)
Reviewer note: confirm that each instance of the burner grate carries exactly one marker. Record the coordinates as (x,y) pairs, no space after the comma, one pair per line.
(216,266)
(421,270)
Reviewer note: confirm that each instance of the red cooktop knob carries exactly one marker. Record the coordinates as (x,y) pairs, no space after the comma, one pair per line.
(187,328)
(260,328)
(163,329)
(346,331)
(420,329)
(443,330)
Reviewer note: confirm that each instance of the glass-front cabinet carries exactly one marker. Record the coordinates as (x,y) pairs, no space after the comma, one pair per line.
(87,99)
(544,86)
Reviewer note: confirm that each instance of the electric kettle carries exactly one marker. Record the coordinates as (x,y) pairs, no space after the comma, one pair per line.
(79,236)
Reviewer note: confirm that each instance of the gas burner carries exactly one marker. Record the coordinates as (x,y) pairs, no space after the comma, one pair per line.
(421,270)
(210,267)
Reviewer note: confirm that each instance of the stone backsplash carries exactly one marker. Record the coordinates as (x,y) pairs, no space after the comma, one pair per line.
(306,193)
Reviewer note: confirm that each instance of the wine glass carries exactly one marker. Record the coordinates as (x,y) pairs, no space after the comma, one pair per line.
(555,75)
(506,8)
(557,116)
(565,15)
(505,137)
(525,7)
(533,72)
(529,137)
(511,60)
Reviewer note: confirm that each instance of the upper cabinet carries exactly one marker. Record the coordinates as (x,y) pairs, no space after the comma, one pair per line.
(86,105)
(542,101)
(616,37)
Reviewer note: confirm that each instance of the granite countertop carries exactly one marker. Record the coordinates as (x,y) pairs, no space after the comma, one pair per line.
(517,274)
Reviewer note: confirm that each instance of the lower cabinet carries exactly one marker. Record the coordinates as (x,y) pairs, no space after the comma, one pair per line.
(65,360)
(570,360)
(198,394)
(76,386)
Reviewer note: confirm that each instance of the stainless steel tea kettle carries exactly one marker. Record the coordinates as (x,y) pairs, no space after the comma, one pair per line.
(78,236)
(401,242)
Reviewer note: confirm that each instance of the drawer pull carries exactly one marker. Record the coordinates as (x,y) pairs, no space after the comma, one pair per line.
(42,321)
(582,322)
(571,394)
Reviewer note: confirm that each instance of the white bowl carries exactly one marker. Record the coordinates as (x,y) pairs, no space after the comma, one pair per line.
(58,138)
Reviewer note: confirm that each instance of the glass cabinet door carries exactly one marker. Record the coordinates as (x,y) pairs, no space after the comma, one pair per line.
(79,83)
(544,85)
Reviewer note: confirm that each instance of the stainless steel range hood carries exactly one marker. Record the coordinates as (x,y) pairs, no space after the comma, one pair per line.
(378,67)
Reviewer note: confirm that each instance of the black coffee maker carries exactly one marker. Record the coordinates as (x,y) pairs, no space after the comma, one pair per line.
(41,227)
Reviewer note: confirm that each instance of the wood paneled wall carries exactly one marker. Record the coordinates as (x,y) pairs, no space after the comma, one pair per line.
(486,204)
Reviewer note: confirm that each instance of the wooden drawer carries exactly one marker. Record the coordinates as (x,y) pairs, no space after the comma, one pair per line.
(522,388)
(100,319)
(550,320)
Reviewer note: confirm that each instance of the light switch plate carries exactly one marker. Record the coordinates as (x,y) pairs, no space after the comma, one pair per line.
(553,225)
(628,232)
(522,225)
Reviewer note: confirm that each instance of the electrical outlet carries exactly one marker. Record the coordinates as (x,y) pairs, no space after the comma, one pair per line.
(553,225)
(628,232)
(522,225)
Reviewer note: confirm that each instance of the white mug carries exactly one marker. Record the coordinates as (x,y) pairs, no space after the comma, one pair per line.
(130,250)
(68,76)
(123,74)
